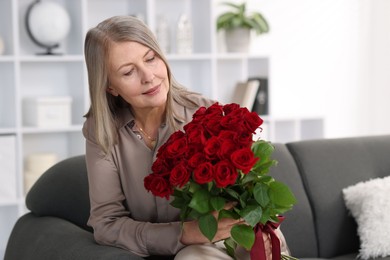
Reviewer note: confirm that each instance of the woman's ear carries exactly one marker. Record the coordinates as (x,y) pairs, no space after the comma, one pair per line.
(112,91)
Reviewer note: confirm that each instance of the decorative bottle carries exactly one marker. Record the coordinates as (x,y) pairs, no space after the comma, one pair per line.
(184,35)
(163,34)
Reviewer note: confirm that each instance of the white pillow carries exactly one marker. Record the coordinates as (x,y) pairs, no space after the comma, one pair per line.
(369,204)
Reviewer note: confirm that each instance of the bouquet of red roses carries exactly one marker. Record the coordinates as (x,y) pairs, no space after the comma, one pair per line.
(215,161)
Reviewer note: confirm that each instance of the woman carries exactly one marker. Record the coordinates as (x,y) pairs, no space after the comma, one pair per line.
(136,104)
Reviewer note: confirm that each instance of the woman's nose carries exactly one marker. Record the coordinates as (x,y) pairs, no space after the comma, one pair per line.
(147,75)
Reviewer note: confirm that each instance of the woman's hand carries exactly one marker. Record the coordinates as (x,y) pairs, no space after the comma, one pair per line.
(192,234)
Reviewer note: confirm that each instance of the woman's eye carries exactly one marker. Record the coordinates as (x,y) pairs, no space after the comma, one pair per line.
(128,73)
(150,59)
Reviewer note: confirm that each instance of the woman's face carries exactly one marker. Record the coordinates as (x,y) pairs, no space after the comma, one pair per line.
(138,75)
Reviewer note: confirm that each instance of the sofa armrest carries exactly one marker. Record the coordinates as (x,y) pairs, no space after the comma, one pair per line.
(37,238)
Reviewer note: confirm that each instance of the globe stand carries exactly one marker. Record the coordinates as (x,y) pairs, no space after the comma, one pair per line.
(49,47)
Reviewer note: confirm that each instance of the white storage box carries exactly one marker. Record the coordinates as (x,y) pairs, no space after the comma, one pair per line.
(47,111)
(8,168)
(36,164)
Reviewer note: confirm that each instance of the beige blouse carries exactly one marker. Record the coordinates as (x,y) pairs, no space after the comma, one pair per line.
(123,213)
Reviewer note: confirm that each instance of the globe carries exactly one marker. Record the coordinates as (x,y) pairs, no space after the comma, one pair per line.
(48,23)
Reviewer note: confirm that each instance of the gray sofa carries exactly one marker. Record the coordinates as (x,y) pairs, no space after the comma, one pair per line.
(318,227)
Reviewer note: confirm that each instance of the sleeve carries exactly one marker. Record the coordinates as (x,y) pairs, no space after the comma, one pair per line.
(111,220)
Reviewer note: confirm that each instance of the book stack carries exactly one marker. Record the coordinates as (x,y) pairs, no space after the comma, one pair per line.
(253,95)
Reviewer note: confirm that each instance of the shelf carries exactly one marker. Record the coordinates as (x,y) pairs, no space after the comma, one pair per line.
(7,131)
(189,57)
(54,58)
(40,130)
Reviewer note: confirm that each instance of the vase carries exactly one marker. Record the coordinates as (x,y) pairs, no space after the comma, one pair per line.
(237,40)
(184,35)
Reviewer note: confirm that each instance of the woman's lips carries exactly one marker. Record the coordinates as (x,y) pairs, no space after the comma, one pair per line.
(152,91)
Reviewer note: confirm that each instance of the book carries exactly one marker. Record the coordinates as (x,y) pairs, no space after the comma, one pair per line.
(261,103)
(245,93)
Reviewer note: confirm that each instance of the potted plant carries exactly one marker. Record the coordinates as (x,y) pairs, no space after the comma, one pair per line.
(237,25)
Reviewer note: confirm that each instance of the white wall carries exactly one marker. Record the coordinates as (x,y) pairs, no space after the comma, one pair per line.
(329,58)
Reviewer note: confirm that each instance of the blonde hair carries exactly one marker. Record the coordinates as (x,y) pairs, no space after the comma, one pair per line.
(104,105)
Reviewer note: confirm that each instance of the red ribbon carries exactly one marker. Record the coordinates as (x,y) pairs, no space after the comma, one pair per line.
(258,249)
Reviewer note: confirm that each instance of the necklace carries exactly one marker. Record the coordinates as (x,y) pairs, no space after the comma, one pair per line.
(152,140)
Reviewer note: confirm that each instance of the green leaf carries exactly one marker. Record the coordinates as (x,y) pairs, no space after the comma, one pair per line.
(266,179)
(193,214)
(281,195)
(243,235)
(262,149)
(230,246)
(245,196)
(251,176)
(184,213)
(200,201)
(233,193)
(252,214)
(217,203)
(179,202)
(208,226)
(194,187)
(265,217)
(228,214)
(260,192)
(261,22)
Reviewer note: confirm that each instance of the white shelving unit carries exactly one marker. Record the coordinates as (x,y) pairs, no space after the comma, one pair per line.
(24,74)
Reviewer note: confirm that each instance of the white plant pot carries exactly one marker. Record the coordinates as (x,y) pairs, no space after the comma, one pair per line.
(237,40)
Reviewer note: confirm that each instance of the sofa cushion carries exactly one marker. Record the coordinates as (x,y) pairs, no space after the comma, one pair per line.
(369,204)
(62,191)
(329,165)
(298,225)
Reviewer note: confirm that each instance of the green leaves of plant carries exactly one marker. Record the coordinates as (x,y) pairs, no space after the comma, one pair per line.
(208,226)
(260,192)
(252,214)
(200,200)
(237,18)
(217,203)
(281,195)
(243,235)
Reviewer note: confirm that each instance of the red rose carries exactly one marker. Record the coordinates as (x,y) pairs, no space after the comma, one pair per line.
(179,175)
(213,124)
(159,166)
(214,109)
(244,139)
(224,174)
(203,173)
(196,159)
(211,148)
(158,185)
(198,115)
(230,122)
(244,159)
(177,146)
(230,107)
(227,147)
(252,121)
(195,134)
